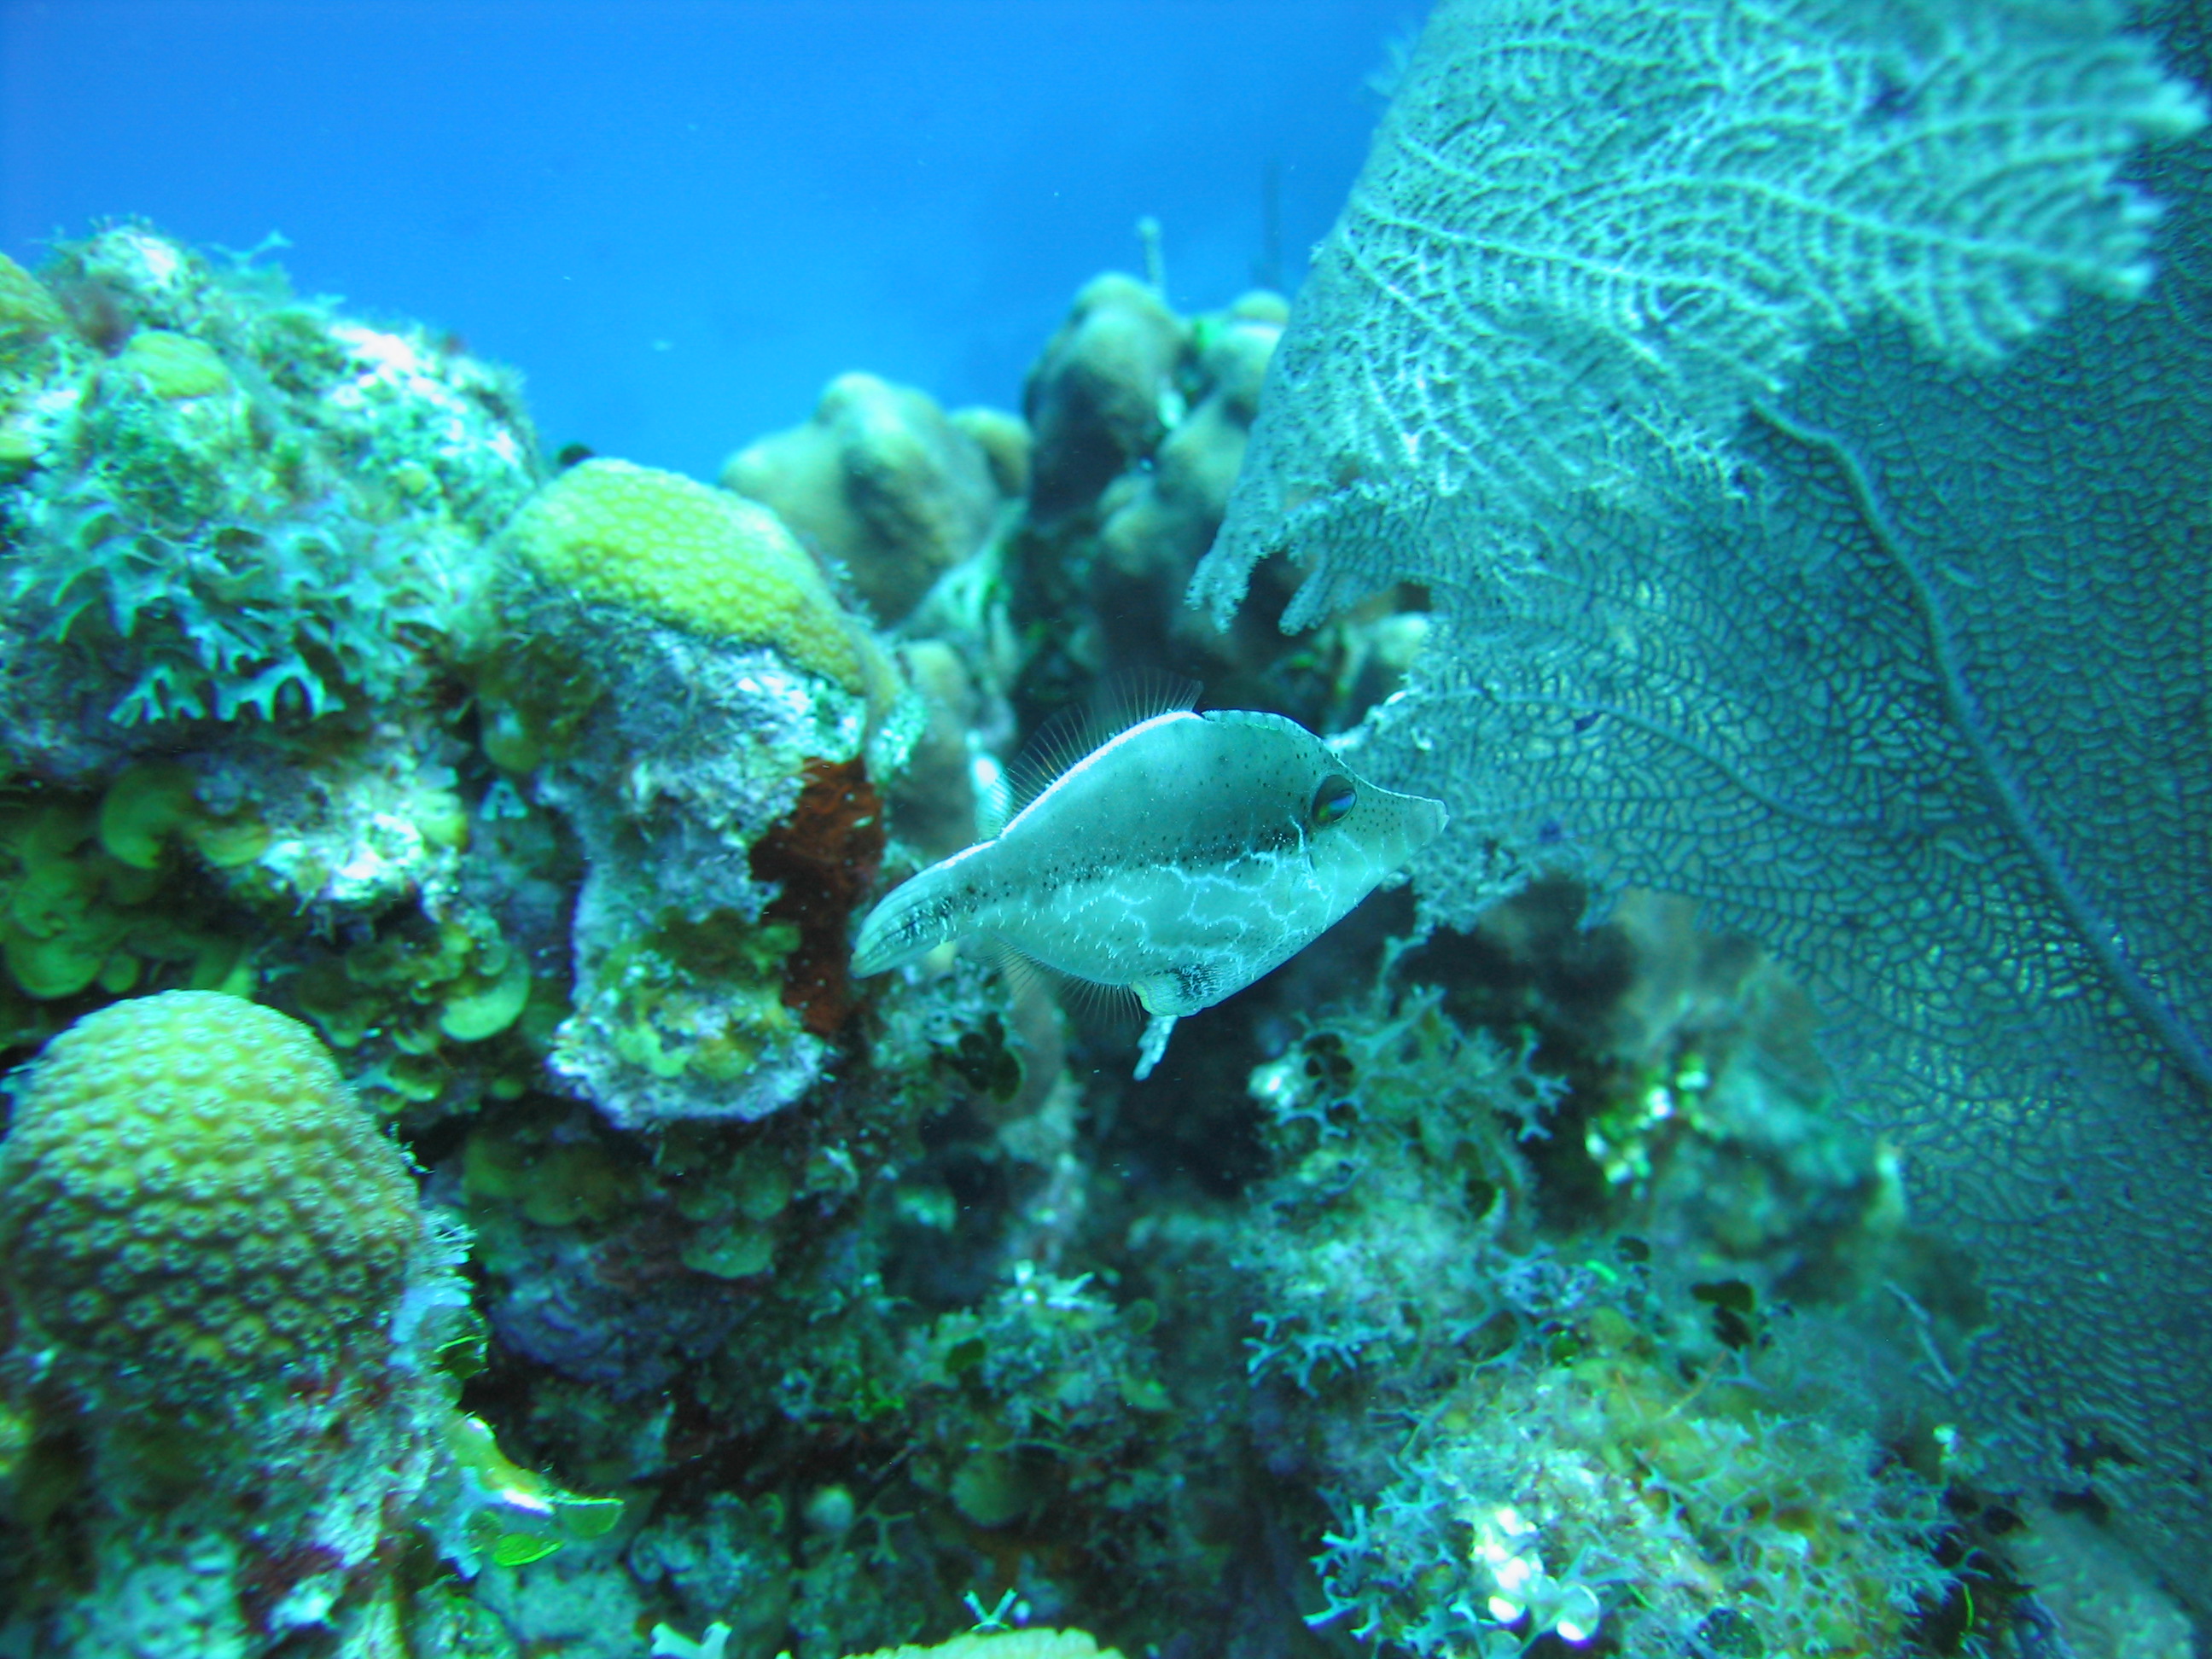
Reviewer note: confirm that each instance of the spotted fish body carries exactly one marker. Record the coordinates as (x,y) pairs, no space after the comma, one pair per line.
(1180,859)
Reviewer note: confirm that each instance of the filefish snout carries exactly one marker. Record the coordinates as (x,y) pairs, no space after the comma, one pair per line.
(1387,830)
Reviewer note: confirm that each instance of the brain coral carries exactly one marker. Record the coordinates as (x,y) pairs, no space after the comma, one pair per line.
(688,555)
(190,1194)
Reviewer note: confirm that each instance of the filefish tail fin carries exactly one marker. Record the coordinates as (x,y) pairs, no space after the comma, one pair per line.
(913,920)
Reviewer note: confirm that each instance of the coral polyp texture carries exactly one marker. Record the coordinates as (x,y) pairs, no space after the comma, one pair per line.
(227,1305)
(690,555)
(189,1196)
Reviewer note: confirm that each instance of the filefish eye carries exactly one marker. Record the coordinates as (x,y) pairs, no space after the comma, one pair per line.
(1332,800)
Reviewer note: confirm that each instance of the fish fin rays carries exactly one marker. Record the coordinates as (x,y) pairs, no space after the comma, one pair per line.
(1018,969)
(1089,1003)
(995,811)
(1134,695)
(1075,730)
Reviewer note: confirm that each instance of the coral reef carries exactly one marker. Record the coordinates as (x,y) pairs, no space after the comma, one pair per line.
(29,314)
(1755,593)
(1508,1290)
(694,704)
(1103,392)
(2089,1592)
(246,543)
(884,483)
(251,507)
(86,913)
(715,793)
(1598,1446)
(1042,1396)
(1161,519)
(935,803)
(1141,420)
(1606,1497)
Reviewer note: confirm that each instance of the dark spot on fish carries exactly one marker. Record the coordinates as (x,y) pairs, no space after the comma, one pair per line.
(1196,981)
(1889,101)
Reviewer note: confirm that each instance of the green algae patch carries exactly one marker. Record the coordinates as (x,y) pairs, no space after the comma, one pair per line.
(512,1516)
(490,1010)
(518,1159)
(149,806)
(174,366)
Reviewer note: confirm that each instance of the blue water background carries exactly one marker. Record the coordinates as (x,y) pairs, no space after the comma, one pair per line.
(679,220)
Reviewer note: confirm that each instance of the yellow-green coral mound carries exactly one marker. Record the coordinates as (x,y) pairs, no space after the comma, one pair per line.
(190,1193)
(688,555)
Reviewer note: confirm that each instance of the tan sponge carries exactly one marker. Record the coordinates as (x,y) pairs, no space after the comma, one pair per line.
(190,1194)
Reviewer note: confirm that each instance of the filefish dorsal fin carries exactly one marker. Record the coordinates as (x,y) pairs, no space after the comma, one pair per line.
(1257,717)
(1076,730)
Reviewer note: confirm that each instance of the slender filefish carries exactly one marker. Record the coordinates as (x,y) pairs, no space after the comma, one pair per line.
(1180,857)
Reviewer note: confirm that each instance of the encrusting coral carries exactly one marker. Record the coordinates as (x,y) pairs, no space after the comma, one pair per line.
(689,695)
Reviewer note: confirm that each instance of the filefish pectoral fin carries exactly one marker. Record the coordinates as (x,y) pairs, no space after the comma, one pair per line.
(1154,1043)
